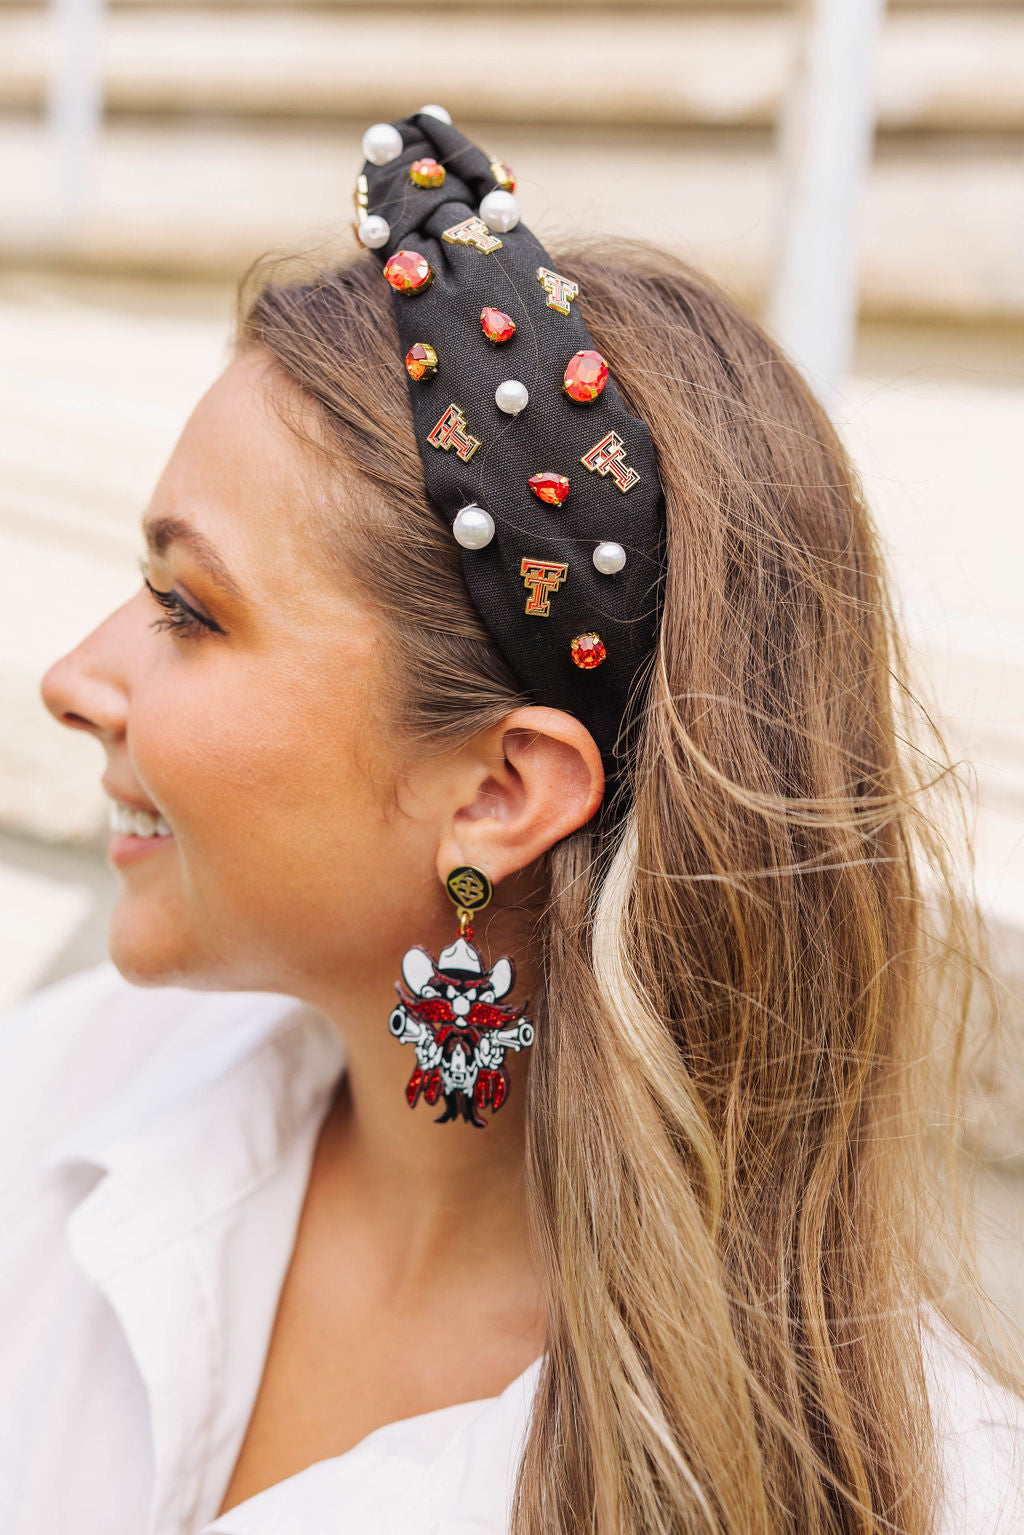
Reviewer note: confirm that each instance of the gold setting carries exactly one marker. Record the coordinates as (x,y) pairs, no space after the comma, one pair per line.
(503,175)
(423,366)
(361,202)
(427,173)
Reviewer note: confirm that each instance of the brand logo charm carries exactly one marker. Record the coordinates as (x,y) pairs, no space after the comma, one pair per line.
(542,577)
(450,432)
(606,457)
(472,231)
(560,290)
(469,887)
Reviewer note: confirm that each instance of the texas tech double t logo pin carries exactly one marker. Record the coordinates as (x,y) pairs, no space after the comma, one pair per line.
(542,577)
(451,432)
(606,457)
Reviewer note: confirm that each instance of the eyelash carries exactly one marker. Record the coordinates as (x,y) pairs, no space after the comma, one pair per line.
(177,615)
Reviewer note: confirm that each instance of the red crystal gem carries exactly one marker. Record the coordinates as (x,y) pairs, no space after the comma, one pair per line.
(498,326)
(427,173)
(421,361)
(585,377)
(588,651)
(552,488)
(408,272)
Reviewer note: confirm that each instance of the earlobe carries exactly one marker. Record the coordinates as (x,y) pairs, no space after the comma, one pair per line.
(542,780)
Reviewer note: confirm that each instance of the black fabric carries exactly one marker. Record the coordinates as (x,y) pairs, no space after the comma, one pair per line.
(551,434)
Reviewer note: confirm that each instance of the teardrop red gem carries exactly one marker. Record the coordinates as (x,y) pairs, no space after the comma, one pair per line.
(498,326)
(552,488)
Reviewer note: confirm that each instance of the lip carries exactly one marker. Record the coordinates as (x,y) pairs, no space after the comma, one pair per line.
(122,850)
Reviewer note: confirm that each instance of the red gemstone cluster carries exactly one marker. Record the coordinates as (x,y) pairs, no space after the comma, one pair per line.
(497,325)
(586,374)
(585,377)
(408,272)
(588,651)
(552,488)
(427,173)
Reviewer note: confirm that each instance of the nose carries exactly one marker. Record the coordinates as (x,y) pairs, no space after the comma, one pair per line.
(87,688)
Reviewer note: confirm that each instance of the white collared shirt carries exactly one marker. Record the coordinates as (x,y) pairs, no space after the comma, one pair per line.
(155,1147)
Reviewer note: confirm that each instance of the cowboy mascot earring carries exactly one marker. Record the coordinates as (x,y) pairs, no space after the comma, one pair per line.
(449,1011)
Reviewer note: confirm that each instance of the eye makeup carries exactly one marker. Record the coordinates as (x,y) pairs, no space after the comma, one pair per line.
(178,615)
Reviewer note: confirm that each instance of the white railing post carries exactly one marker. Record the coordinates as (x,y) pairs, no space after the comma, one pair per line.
(75,102)
(826,135)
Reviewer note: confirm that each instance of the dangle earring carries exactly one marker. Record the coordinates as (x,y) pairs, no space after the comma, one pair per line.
(449,1011)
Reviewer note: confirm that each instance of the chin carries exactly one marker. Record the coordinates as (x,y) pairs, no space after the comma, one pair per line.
(154,949)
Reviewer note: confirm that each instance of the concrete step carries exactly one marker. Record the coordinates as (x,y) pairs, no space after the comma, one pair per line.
(937,69)
(531,12)
(941,224)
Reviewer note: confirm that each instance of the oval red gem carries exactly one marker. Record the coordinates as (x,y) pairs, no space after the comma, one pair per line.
(585,377)
(421,361)
(588,651)
(552,488)
(498,326)
(408,272)
(427,173)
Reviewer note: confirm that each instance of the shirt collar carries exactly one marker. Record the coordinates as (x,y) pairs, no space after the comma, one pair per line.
(205,1154)
(219,1039)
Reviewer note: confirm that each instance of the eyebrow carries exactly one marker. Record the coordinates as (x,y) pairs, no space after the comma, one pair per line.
(161,532)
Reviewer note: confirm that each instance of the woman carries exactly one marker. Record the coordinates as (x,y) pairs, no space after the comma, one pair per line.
(677,1284)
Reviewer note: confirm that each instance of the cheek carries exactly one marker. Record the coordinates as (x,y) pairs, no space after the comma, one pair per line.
(267,779)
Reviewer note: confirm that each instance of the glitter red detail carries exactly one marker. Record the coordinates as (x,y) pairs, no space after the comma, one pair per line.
(552,488)
(421,361)
(585,377)
(408,272)
(498,326)
(427,173)
(461,1042)
(588,651)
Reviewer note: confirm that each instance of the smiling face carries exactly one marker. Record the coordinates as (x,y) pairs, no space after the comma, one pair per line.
(256,734)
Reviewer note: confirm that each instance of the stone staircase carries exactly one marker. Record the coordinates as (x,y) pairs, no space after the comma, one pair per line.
(232,129)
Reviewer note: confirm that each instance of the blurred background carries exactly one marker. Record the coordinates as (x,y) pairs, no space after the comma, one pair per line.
(853,172)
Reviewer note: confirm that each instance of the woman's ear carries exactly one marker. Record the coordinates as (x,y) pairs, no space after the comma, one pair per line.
(538,777)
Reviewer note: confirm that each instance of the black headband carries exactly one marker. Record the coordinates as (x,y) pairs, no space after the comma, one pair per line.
(479,306)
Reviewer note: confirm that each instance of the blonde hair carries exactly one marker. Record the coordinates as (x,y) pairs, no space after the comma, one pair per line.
(726,1159)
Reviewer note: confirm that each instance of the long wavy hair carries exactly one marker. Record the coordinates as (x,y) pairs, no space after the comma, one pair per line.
(728,1175)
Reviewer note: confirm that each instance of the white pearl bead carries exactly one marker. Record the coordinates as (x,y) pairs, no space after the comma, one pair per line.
(609,558)
(440,113)
(382,143)
(511,397)
(499,211)
(374,231)
(473,527)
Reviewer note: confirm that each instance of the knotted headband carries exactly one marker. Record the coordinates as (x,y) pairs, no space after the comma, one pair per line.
(547,481)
